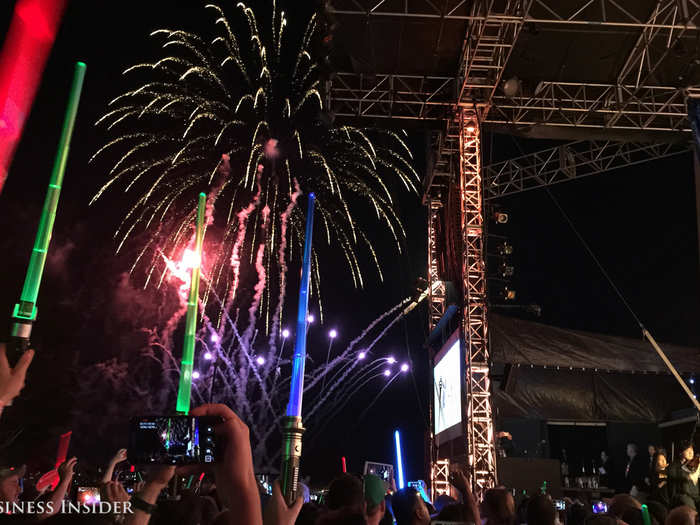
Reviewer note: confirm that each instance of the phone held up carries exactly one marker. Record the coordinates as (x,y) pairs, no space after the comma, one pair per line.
(600,507)
(173,440)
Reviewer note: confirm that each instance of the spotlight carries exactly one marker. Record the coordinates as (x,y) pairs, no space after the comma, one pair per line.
(500,217)
(310,318)
(505,249)
(509,294)
(260,360)
(214,338)
(361,355)
(207,356)
(195,375)
(404,367)
(507,271)
(391,360)
(691,380)
(333,333)
(387,373)
(511,87)
(285,333)
(470,129)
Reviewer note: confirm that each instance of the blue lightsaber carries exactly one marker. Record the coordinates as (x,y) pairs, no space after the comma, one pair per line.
(292,427)
(399,459)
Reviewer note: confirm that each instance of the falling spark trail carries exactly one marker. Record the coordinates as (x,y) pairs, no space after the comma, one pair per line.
(283,265)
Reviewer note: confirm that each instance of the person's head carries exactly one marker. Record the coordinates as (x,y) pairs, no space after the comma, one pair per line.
(374,491)
(682,515)
(658,511)
(633,517)
(652,450)
(309,514)
(632,449)
(343,516)
(498,507)
(578,514)
(603,456)
(442,501)
(660,460)
(454,512)
(409,508)
(541,511)
(687,451)
(10,487)
(345,491)
(621,503)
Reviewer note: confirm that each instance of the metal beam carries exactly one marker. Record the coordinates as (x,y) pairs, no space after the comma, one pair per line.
(479,416)
(586,105)
(568,162)
(586,14)
(582,105)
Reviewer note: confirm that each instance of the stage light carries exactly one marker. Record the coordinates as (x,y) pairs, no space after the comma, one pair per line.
(310,318)
(470,129)
(509,294)
(285,333)
(260,360)
(500,217)
(333,333)
(511,87)
(361,355)
(391,360)
(404,367)
(387,373)
(691,381)
(399,459)
(214,338)
(208,356)
(195,375)
(507,271)
(505,249)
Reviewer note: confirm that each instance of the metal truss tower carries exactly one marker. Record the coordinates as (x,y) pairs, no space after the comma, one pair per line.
(479,422)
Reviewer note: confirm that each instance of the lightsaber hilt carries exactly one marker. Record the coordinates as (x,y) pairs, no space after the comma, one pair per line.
(19,339)
(291,457)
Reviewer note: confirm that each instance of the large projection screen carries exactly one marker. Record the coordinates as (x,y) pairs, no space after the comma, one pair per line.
(447,387)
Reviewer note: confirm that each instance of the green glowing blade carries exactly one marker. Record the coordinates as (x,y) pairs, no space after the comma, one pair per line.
(26,309)
(184,391)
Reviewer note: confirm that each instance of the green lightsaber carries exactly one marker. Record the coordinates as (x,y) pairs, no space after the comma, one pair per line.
(25,311)
(184,390)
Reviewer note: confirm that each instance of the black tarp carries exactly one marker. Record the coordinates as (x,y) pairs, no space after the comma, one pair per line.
(623,380)
(516,341)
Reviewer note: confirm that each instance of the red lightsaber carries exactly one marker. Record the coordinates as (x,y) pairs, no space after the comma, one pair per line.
(27,46)
(345,468)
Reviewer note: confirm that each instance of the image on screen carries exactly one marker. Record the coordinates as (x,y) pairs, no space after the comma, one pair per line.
(448,386)
(175,440)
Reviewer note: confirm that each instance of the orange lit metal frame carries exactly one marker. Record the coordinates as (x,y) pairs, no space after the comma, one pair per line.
(440,478)
(27,45)
(478,421)
(436,296)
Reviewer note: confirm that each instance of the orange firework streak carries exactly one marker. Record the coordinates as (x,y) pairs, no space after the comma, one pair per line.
(27,45)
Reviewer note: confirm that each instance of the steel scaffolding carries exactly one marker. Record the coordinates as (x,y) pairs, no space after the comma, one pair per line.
(637,102)
(568,162)
(481,450)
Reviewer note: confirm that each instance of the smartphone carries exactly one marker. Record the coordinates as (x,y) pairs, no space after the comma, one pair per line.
(599,507)
(560,504)
(173,440)
(88,495)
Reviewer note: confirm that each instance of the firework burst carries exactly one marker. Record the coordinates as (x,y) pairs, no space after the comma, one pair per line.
(240,116)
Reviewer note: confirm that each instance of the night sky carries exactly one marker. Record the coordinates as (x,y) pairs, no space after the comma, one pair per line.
(640,221)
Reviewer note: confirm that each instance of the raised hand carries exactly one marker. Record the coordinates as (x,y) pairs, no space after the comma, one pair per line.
(67,469)
(12,379)
(277,512)
(115,492)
